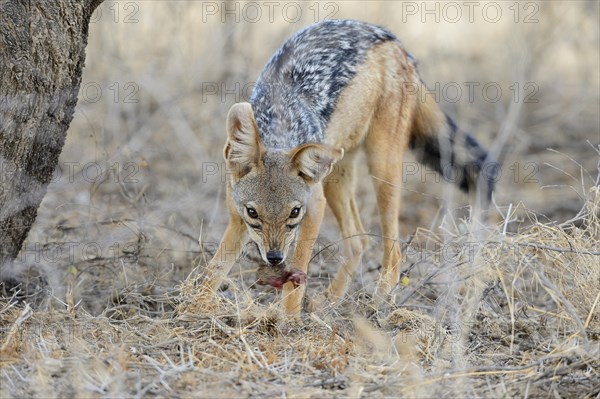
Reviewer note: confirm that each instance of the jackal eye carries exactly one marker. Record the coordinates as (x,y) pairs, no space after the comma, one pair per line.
(252,213)
(295,212)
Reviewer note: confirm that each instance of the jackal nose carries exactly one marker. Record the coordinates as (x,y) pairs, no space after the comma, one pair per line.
(274,257)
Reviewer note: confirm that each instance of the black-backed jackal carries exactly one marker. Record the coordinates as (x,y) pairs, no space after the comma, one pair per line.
(331,89)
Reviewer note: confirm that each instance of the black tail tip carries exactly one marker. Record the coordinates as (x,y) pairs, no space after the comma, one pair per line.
(480,176)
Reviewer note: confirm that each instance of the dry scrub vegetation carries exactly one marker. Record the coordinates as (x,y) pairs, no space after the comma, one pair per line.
(101,300)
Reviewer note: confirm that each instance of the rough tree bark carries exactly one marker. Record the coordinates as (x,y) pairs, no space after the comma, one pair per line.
(42,54)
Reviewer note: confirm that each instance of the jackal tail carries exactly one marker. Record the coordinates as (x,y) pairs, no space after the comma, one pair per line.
(439,144)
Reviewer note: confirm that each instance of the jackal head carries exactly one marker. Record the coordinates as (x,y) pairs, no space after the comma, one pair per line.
(270,189)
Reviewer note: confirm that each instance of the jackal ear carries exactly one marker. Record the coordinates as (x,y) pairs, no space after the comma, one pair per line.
(314,161)
(243,148)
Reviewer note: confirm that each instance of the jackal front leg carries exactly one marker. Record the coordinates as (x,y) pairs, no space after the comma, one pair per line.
(229,250)
(309,231)
(340,197)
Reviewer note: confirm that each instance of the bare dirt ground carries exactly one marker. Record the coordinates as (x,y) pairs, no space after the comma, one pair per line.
(101,302)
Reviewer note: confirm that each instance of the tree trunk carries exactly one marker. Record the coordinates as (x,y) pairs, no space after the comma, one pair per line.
(42,53)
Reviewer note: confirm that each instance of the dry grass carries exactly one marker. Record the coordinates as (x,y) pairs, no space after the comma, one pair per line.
(106,301)
(525,323)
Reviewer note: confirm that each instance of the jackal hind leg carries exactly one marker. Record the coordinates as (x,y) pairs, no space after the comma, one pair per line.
(339,191)
(385,146)
(309,231)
